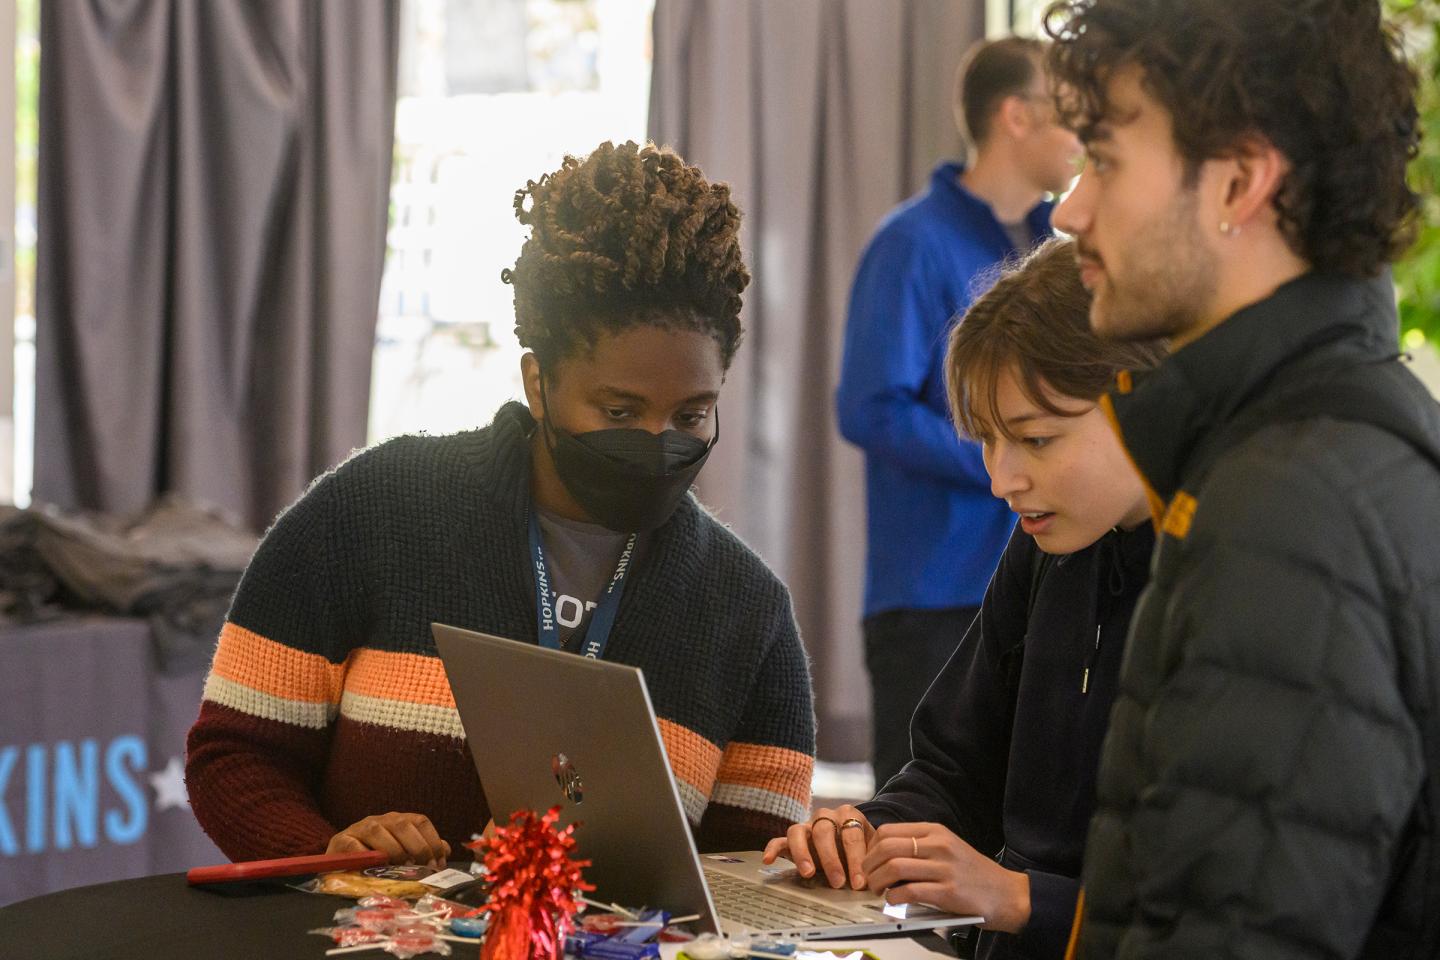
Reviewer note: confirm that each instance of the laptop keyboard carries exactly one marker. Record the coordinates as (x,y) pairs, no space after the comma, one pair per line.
(764,909)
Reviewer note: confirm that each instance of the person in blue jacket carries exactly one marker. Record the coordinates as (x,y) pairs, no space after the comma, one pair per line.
(934,530)
(989,816)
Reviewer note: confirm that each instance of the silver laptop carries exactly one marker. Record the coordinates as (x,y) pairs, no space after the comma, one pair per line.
(550,728)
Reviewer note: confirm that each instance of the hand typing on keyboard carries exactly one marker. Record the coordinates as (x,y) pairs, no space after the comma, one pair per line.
(836,839)
(914,863)
(927,863)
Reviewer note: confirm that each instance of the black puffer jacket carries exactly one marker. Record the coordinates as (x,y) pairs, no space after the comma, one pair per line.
(1270,785)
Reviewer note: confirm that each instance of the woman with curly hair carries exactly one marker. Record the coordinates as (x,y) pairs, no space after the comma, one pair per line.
(327,721)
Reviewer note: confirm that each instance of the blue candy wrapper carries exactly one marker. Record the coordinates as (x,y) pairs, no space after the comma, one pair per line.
(614,949)
(651,923)
(473,927)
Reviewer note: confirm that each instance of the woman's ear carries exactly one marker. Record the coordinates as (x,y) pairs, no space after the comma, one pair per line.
(530,376)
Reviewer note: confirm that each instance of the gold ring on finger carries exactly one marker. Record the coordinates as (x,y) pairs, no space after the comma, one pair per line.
(914,847)
(852,822)
(829,820)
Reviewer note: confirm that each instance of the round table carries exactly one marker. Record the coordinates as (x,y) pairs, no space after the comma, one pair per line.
(164,918)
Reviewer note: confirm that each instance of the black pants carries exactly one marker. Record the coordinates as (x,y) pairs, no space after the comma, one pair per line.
(904,650)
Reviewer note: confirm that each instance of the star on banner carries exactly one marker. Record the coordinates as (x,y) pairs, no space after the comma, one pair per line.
(169,786)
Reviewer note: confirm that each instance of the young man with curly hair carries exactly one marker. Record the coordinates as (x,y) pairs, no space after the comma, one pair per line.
(327,721)
(1270,783)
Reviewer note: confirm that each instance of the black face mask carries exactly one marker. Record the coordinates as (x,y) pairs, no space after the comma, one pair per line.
(627,479)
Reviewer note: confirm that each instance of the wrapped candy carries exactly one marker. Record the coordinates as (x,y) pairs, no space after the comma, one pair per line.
(435,905)
(403,933)
(382,901)
(404,942)
(413,941)
(350,936)
(471,927)
(379,919)
(606,923)
(711,946)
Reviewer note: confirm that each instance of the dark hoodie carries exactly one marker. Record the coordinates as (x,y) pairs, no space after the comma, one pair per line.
(1005,745)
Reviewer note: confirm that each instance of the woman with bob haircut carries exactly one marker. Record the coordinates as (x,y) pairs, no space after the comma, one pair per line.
(989,816)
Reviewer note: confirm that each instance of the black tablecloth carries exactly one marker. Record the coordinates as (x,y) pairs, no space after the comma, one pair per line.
(163,918)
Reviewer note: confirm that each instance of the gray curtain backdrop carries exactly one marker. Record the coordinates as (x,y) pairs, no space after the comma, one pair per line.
(822,115)
(213,195)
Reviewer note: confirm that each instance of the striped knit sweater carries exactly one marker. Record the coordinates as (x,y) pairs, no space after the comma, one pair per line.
(326,701)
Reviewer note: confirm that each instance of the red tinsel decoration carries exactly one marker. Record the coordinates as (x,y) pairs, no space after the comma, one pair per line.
(533,882)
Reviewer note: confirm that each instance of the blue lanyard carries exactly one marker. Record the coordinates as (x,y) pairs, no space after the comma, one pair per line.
(603,617)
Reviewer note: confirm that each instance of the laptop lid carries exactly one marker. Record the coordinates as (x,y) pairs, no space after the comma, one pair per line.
(549,728)
(552,728)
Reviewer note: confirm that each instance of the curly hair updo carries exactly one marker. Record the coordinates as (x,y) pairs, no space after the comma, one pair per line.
(628,235)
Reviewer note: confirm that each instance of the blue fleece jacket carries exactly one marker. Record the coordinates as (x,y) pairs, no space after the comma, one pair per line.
(935,531)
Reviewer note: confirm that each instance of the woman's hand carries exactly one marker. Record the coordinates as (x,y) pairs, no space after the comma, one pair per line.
(403,837)
(836,838)
(926,863)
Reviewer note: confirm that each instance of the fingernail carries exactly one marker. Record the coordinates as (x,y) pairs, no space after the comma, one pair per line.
(859,882)
(806,868)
